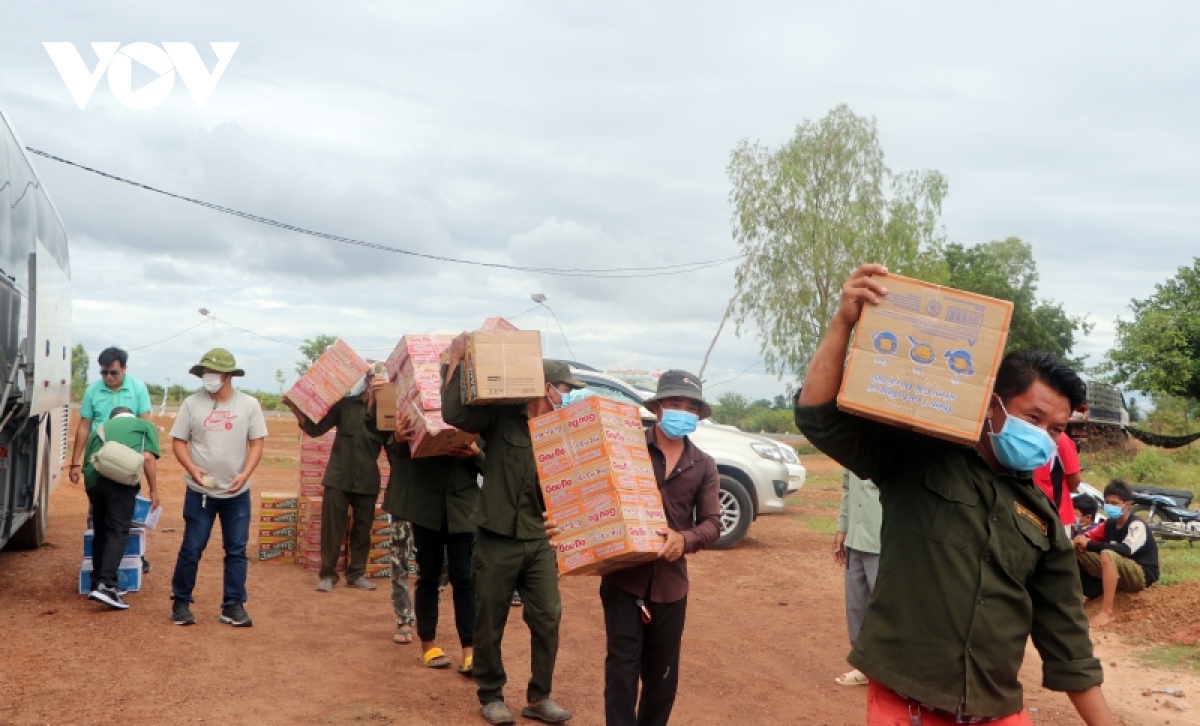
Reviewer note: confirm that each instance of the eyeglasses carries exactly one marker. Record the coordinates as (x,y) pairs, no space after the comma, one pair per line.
(113,373)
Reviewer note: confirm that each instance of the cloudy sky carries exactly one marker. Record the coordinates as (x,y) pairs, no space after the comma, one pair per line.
(585,135)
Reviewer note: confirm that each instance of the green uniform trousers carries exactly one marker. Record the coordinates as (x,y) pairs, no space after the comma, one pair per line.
(334,519)
(503,564)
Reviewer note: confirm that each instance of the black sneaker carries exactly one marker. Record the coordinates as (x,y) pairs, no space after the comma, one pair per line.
(109,596)
(236,616)
(181,613)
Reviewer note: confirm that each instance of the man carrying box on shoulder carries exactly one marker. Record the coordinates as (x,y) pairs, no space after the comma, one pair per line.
(645,605)
(512,550)
(973,558)
(113,501)
(351,481)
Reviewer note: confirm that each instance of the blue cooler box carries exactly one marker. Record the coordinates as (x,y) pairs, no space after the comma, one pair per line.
(141,510)
(129,575)
(135,546)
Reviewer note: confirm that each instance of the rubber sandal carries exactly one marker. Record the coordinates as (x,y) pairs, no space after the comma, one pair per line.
(435,658)
(467,665)
(853,678)
(403,636)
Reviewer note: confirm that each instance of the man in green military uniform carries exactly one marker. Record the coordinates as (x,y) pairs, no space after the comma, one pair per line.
(512,550)
(973,561)
(113,502)
(351,482)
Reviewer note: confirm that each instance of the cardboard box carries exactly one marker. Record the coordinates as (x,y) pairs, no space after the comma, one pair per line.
(129,575)
(926,358)
(278,557)
(278,500)
(418,349)
(379,557)
(277,529)
(598,484)
(421,382)
(378,572)
(385,407)
(277,543)
(497,324)
(328,379)
(135,546)
(433,436)
(280,516)
(312,490)
(503,366)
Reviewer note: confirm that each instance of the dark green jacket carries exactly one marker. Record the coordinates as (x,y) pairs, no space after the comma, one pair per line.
(354,458)
(127,430)
(510,504)
(433,490)
(972,563)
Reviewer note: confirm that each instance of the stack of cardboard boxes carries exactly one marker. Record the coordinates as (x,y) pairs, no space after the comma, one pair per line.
(414,369)
(277,527)
(598,484)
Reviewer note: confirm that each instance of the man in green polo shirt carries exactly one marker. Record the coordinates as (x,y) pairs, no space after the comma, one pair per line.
(973,560)
(512,550)
(114,388)
(113,502)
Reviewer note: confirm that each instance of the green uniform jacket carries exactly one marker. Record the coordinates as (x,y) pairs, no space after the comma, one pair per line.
(127,430)
(432,491)
(510,504)
(972,564)
(860,515)
(354,459)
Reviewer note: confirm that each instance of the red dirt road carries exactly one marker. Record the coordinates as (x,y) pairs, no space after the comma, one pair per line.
(764,640)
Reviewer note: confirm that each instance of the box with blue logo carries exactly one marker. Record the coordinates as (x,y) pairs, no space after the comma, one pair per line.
(129,575)
(135,546)
(925,358)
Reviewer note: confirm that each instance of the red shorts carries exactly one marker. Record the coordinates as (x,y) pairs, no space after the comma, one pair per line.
(885,707)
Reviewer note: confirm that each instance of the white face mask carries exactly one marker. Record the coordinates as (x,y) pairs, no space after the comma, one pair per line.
(212,382)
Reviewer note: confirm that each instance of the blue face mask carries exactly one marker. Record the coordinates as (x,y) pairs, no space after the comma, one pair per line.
(1020,445)
(573,396)
(677,424)
(1114,511)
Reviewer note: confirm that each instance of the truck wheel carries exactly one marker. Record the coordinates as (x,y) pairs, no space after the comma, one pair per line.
(736,513)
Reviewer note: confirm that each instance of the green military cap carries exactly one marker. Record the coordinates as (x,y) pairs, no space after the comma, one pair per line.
(557,371)
(219,360)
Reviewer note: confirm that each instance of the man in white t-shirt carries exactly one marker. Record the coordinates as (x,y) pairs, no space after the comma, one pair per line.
(218,438)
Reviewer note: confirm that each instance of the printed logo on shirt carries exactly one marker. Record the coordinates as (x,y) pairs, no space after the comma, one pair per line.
(1024,512)
(220,421)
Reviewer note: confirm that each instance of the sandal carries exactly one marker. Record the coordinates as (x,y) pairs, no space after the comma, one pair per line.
(403,636)
(435,658)
(853,678)
(467,666)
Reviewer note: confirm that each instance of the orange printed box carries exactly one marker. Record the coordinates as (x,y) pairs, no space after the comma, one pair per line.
(278,557)
(311,490)
(270,516)
(378,557)
(310,504)
(314,460)
(378,571)
(926,358)
(277,529)
(277,543)
(277,500)
(328,379)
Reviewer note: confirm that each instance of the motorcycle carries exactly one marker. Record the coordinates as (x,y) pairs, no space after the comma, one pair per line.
(1167,512)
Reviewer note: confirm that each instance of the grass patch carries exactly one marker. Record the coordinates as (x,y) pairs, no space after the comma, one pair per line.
(824,525)
(1178,562)
(1175,469)
(1172,657)
(806,449)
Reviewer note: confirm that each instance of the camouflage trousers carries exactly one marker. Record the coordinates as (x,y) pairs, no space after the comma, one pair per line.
(403,559)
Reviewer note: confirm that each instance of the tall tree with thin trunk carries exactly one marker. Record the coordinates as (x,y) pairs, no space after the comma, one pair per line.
(809,212)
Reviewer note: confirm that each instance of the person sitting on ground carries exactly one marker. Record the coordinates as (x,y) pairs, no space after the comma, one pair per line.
(1120,555)
(1085,514)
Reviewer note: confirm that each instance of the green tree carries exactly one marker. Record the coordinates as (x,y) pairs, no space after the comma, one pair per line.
(79,372)
(781,403)
(731,408)
(806,214)
(1006,269)
(312,349)
(1158,350)
(280,378)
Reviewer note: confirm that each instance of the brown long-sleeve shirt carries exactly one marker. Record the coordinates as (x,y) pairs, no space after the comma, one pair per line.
(691,498)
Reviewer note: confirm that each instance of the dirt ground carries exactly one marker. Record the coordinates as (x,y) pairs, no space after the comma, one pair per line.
(764,640)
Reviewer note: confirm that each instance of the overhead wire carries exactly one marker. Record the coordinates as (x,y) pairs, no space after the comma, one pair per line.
(744,371)
(173,337)
(609,273)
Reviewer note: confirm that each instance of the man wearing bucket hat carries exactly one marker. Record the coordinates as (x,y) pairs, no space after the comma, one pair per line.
(218,438)
(512,550)
(645,605)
